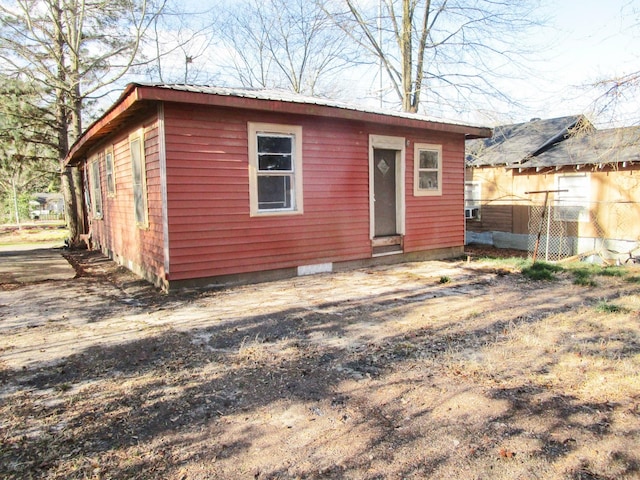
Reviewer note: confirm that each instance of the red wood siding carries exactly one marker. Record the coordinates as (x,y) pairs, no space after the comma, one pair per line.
(210,230)
(437,221)
(433,222)
(117,232)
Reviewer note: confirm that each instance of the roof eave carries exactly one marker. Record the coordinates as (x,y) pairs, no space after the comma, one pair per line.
(292,107)
(127,99)
(138,94)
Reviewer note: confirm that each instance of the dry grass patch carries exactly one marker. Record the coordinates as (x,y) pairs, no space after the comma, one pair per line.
(33,234)
(374,374)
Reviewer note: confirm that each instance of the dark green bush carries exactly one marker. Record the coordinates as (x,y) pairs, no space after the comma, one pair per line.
(542,271)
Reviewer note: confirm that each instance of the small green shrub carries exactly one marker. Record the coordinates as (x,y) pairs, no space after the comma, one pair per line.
(444,279)
(542,271)
(612,272)
(633,279)
(606,307)
(585,282)
(582,276)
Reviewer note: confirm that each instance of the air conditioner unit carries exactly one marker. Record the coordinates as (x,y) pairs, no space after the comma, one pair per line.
(471,212)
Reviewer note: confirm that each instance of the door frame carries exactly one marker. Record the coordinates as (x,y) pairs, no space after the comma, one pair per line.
(399,145)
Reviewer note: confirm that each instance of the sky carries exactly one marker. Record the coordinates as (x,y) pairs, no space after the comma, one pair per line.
(581,42)
(588,40)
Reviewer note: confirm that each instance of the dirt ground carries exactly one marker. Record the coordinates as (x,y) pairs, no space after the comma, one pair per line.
(464,370)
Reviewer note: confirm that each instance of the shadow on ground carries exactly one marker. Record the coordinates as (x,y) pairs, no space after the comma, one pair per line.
(307,393)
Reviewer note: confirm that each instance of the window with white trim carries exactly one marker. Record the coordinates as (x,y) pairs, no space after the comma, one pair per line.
(427,163)
(275,169)
(109,172)
(572,205)
(472,199)
(139,177)
(96,190)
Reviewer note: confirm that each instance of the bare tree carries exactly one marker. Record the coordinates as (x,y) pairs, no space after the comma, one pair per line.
(436,49)
(288,44)
(618,93)
(179,46)
(613,93)
(71,49)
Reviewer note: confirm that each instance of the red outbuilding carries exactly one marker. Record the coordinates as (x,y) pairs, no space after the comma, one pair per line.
(196,186)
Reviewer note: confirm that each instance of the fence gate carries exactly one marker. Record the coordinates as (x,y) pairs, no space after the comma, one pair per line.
(550,233)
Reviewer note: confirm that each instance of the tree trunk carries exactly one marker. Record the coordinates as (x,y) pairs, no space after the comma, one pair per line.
(406,52)
(15,203)
(71,181)
(72,187)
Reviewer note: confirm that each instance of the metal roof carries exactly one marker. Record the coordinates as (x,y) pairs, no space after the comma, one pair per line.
(139,97)
(291,97)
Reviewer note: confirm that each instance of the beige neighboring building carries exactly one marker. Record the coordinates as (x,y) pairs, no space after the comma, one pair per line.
(593,176)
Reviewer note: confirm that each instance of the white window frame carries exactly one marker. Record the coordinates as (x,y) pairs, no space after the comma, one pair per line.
(96,188)
(110,174)
(419,191)
(573,206)
(278,130)
(141,184)
(475,199)
(472,199)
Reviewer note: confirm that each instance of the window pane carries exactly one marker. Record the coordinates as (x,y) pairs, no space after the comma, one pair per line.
(573,205)
(429,180)
(274,162)
(97,191)
(472,195)
(578,190)
(111,187)
(274,192)
(135,161)
(428,159)
(274,167)
(138,205)
(274,144)
(94,174)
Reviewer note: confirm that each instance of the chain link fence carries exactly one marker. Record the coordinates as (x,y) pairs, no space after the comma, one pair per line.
(601,232)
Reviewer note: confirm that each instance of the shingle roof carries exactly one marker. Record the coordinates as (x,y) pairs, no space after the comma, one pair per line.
(598,147)
(511,145)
